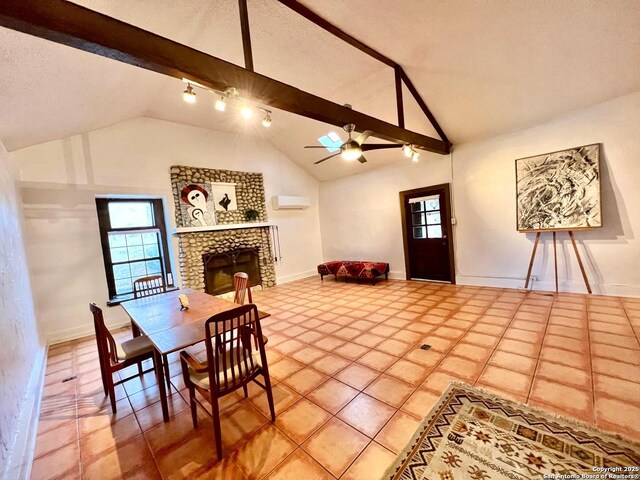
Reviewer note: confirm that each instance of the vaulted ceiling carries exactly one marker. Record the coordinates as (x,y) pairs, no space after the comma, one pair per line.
(484,68)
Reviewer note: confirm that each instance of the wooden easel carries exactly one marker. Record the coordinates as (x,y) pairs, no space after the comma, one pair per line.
(555,260)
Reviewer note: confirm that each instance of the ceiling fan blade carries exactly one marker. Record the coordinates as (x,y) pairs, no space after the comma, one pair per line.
(378,146)
(362,159)
(363,136)
(326,158)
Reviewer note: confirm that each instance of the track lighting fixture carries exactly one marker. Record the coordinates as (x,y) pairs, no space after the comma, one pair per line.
(415,157)
(189,95)
(230,97)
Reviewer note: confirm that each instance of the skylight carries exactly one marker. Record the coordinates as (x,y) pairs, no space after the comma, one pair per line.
(331,141)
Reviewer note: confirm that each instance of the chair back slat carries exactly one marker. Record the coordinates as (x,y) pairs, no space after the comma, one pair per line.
(242,288)
(230,351)
(147,286)
(106,343)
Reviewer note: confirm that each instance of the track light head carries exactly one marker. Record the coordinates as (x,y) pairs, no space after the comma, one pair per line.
(189,95)
(246,111)
(407,150)
(220,103)
(266,121)
(415,157)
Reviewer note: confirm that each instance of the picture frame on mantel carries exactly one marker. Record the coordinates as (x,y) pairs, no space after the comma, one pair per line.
(559,191)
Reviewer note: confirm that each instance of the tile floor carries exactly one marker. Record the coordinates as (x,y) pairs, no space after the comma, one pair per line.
(350,382)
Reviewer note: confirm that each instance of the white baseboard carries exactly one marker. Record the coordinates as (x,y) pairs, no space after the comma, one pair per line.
(549,285)
(296,276)
(398,274)
(73,333)
(21,455)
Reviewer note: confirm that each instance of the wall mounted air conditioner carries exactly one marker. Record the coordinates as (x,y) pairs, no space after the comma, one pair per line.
(288,202)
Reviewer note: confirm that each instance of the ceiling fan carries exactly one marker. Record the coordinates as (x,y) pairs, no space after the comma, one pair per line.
(352,149)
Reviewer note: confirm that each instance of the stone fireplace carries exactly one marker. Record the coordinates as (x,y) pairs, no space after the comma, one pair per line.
(219,269)
(208,259)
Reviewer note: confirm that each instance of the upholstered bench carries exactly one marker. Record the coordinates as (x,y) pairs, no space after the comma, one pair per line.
(354,269)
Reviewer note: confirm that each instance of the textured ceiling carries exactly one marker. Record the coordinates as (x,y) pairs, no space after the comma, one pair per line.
(484,68)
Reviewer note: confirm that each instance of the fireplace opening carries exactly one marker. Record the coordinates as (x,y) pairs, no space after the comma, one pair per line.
(219,269)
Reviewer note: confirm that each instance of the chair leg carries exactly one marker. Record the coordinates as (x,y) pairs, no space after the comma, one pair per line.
(194,409)
(112,391)
(245,390)
(103,376)
(217,430)
(140,368)
(267,384)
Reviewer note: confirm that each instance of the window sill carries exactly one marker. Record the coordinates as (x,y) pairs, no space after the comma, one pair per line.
(115,301)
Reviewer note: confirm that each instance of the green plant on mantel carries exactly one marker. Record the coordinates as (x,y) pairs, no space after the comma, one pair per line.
(251,214)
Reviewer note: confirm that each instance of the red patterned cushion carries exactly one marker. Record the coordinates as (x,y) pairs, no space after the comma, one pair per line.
(354,269)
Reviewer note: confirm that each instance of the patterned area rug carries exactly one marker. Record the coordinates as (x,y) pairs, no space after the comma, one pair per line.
(471,434)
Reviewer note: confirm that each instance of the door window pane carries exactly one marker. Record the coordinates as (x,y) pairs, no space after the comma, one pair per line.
(130,214)
(432,204)
(153,267)
(418,218)
(433,218)
(417,206)
(434,231)
(419,232)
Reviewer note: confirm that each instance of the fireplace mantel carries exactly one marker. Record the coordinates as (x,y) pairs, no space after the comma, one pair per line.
(217,228)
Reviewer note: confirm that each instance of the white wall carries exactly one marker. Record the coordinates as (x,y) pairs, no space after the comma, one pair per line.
(60,180)
(360,215)
(22,351)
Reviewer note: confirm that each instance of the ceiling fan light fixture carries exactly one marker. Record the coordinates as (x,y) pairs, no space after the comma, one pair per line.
(189,96)
(351,151)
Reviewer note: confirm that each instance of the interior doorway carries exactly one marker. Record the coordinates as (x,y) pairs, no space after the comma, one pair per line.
(427,233)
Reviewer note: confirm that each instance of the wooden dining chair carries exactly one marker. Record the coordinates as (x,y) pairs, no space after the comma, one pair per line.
(235,356)
(242,288)
(146,286)
(115,356)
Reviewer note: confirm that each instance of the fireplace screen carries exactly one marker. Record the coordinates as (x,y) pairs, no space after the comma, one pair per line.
(219,269)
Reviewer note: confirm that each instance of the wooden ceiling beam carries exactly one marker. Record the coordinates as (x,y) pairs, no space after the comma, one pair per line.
(324,24)
(69,24)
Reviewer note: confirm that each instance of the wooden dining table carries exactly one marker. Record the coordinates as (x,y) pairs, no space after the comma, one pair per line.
(170,328)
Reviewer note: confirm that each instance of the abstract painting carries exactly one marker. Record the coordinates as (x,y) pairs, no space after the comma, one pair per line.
(559,190)
(196,205)
(224,196)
